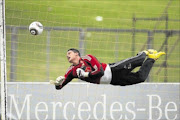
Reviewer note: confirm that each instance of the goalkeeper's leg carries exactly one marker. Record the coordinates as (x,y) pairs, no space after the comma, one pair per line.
(122,68)
(141,75)
(125,77)
(129,63)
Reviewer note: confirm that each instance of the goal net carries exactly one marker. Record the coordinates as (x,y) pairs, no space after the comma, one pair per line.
(109,30)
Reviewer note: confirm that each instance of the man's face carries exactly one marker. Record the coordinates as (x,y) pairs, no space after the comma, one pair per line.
(71,56)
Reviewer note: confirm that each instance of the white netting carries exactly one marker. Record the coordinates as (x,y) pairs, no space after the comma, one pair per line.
(120,30)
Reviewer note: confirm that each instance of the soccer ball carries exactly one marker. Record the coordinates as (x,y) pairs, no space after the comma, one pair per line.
(36,28)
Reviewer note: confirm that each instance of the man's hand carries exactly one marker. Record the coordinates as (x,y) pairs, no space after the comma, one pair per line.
(81,73)
(59,81)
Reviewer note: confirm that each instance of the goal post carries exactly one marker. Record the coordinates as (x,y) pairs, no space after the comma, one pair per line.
(3,61)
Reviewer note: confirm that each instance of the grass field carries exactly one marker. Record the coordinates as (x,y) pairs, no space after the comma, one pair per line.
(31,51)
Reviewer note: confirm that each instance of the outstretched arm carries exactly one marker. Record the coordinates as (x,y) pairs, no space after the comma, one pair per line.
(61,81)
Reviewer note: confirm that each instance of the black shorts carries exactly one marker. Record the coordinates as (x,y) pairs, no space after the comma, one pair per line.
(121,71)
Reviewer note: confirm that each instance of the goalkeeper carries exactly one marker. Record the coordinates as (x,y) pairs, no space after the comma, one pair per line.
(89,69)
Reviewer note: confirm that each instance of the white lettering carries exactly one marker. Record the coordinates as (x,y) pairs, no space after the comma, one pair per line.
(104,108)
(54,108)
(37,110)
(117,104)
(85,110)
(64,110)
(19,113)
(130,111)
(151,107)
(170,110)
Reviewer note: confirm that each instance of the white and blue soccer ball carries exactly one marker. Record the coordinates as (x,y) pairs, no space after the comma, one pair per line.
(36,28)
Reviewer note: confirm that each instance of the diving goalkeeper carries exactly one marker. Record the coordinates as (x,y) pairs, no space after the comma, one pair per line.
(89,69)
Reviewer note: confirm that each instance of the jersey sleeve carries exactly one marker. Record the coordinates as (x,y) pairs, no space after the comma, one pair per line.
(68,78)
(96,65)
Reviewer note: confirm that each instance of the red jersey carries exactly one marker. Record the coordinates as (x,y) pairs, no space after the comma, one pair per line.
(88,63)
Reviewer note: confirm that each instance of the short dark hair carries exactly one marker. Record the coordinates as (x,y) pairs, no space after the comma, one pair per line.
(74,50)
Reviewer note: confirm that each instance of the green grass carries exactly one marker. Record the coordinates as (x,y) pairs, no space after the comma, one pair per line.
(106,46)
